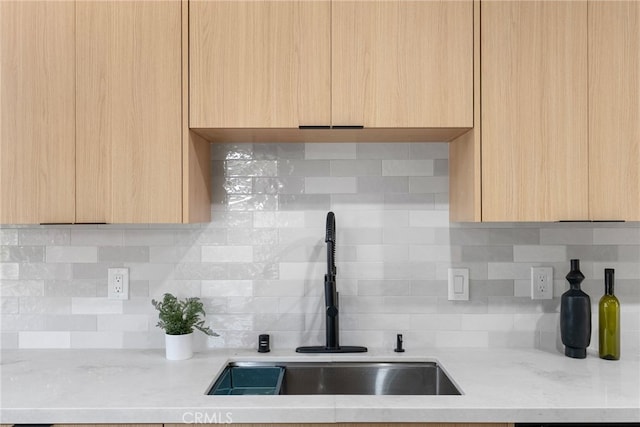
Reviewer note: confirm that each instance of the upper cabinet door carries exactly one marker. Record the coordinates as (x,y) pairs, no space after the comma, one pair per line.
(37,111)
(534,111)
(614,110)
(262,63)
(130,115)
(402,63)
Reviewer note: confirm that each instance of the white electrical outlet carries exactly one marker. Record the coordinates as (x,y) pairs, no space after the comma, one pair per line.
(118,283)
(541,283)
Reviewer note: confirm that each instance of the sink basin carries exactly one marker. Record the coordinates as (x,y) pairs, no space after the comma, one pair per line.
(364,378)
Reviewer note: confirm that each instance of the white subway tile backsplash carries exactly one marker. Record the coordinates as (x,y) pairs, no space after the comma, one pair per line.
(72,254)
(169,254)
(337,150)
(9,271)
(429,151)
(99,339)
(8,237)
(251,167)
(355,168)
(394,150)
(252,305)
(40,271)
(110,236)
(429,184)
(11,253)
(19,288)
(623,270)
(570,236)
(407,168)
(286,288)
(279,220)
(302,271)
(231,322)
(429,218)
(8,340)
(155,237)
(227,253)
(536,322)
(52,305)
(259,264)
(487,322)
(300,305)
(226,288)
(432,253)
(46,236)
(436,322)
(33,339)
(383,184)
(123,322)
(95,306)
(616,236)
(375,322)
(9,305)
(180,288)
(441,201)
(542,253)
(382,253)
(408,235)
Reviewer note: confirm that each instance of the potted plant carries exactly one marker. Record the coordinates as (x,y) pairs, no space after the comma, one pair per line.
(178,318)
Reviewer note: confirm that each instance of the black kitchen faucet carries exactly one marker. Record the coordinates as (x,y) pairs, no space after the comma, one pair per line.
(331,301)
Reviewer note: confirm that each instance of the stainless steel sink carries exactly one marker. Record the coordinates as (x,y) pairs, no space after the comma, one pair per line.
(365,378)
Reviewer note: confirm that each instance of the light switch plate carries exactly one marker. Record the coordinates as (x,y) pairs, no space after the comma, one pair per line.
(458,284)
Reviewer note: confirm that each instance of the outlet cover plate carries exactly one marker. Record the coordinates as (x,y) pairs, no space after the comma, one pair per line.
(118,283)
(541,283)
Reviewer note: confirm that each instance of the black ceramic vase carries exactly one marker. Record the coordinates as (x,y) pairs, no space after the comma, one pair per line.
(575,315)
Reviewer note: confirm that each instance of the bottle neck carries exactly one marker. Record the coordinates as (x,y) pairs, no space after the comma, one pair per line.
(608,281)
(575,276)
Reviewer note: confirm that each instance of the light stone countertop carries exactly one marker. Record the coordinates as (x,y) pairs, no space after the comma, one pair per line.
(140,386)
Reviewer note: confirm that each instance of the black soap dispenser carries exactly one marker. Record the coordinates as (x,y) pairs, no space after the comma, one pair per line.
(575,315)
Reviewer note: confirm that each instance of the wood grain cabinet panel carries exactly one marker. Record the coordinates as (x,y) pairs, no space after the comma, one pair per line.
(284,64)
(402,64)
(129,116)
(93,124)
(37,112)
(534,111)
(545,155)
(259,64)
(614,110)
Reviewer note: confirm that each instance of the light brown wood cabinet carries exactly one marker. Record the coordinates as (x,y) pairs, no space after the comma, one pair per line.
(111,77)
(614,110)
(37,111)
(560,94)
(402,64)
(263,64)
(534,111)
(284,64)
(129,90)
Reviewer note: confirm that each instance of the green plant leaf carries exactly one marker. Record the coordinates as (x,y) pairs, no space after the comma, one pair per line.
(180,317)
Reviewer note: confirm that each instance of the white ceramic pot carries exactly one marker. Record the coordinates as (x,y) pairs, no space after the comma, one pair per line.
(179,347)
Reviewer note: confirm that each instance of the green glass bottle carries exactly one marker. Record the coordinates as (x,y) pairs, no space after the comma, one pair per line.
(609,318)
